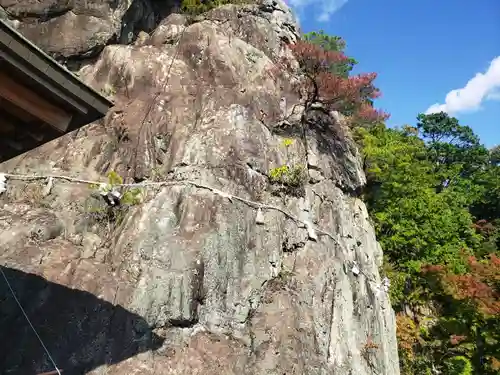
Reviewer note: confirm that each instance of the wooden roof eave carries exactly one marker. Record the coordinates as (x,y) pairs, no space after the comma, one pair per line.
(51,77)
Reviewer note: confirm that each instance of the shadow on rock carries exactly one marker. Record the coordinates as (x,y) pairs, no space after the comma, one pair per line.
(80,330)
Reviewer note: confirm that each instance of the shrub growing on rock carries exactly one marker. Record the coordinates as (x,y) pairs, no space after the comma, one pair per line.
(196,7)
(351,95)
(325,79)
(291,179)
(292,176)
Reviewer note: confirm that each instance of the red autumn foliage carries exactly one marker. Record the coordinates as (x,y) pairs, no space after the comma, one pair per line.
(484,228)
(368,114)
(348,95)
(313,58)
(479,286)
(495,364)
(457,339)
(431,268)
(407,332)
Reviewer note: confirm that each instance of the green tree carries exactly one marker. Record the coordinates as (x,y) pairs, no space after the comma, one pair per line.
(459,365)
(449,230)
(331,43)
(487,206)
(414,223)
(433,193)
(494,154)
(453,148)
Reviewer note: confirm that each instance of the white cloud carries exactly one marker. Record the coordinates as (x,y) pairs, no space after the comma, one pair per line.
(495,95)
(484,86)
(326,7)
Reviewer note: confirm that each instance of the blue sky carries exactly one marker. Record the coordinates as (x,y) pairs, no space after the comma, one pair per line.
(422,50)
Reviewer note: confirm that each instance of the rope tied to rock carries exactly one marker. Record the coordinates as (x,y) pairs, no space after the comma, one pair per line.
(312,231)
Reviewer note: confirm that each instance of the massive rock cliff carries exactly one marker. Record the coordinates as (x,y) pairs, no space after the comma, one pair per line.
(195,279)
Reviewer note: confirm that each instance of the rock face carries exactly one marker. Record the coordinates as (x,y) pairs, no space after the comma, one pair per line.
(82,28)
(195,279)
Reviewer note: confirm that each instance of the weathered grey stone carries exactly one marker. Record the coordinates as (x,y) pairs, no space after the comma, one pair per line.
(90,243)
(169,30)
(81,28)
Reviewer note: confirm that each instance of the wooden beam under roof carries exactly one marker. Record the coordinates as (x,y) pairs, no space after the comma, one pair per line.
(14,122)
(16,111)
(40,100)
(32,103)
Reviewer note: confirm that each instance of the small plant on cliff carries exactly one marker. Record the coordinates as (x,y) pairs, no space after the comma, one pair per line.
(101,213)
(108,90)
(196,7)
(129,197)
(293,176)
(290,179)
(368,351)
(287,142)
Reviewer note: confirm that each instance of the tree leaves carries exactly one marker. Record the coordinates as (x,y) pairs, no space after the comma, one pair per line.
(434,195)
(326,79)
(330,43)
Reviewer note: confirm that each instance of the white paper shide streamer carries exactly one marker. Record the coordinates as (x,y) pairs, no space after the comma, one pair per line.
(3,183)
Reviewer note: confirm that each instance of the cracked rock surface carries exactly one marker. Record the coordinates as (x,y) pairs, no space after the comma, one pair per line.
(187,282)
